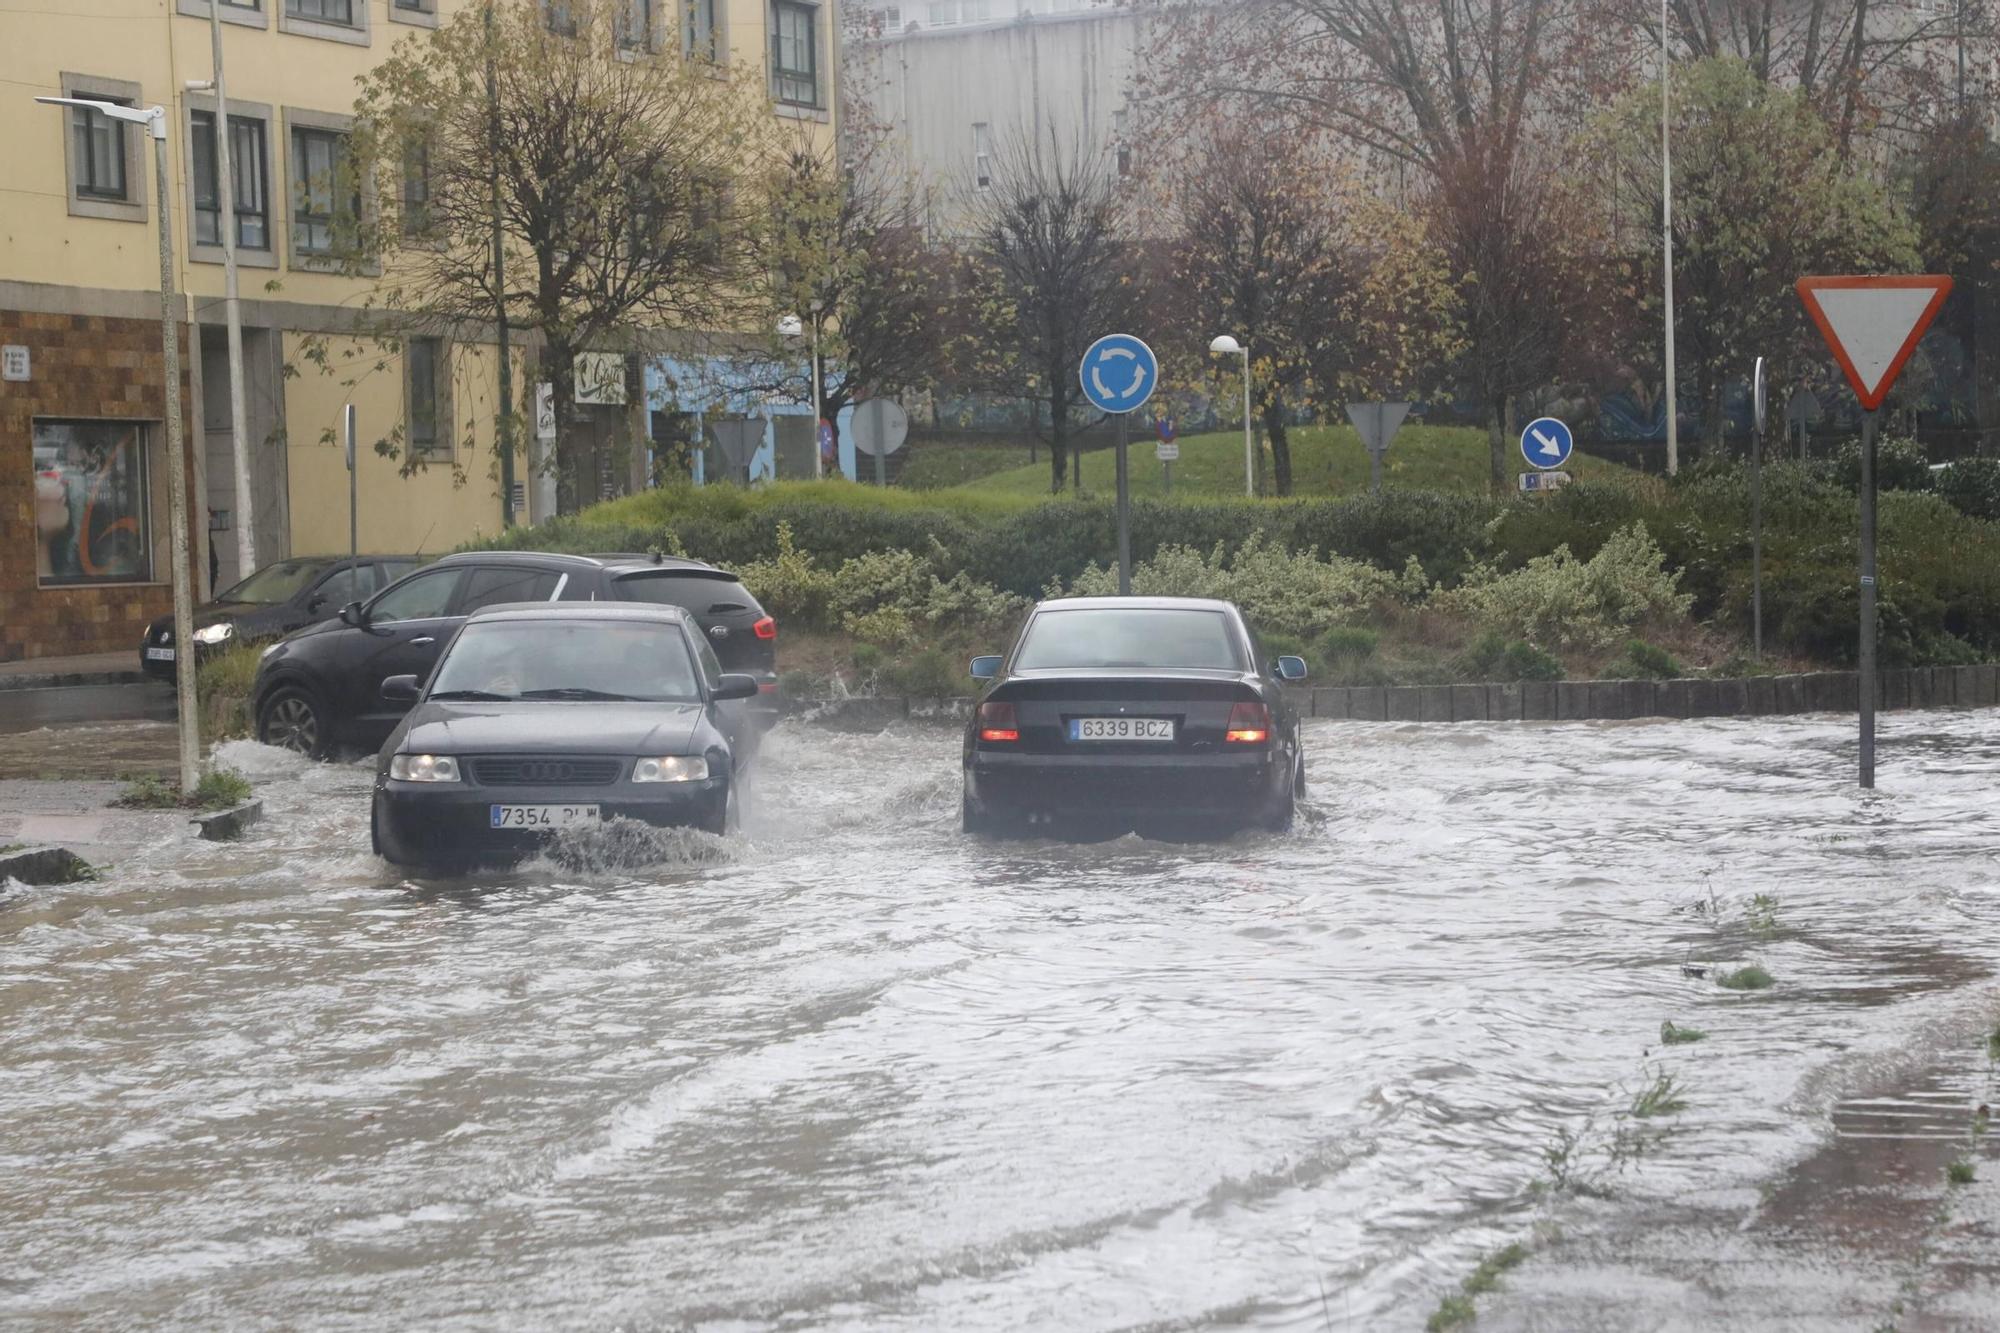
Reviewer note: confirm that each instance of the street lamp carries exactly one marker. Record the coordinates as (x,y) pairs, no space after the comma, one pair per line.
(155,120)
(791,327)
(1225,345)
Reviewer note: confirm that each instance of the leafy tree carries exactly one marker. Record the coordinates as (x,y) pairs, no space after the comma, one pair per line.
(1050,274)
(618,175)
(1762,195)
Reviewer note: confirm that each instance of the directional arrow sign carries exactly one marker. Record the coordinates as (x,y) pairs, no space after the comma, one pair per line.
(1118,373)
(1873,324)
(1546,442)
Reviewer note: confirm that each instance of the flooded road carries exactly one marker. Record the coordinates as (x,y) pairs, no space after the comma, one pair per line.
(849,1070)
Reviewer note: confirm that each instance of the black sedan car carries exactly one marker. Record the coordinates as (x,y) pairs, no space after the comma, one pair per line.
(1149,713)
(546,717)
(279,598)
(321,688)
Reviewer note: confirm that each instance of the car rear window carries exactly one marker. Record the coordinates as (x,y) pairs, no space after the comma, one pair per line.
(1129,637)
(705,595)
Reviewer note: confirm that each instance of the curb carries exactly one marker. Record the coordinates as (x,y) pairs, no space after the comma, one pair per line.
(1911,688)
(45,865)
(224,825)
(44,681)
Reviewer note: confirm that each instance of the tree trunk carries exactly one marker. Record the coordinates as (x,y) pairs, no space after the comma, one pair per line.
(1496,445)
(1058,444)
(1281,445)
(570,490)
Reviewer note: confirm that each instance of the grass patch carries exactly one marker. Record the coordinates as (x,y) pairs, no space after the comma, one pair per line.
(222,690)
(218,789)
(1763,914)
(1326,460)
(1454,1311)
(1752,977)
(1960,1172)
(1486,1277)
(1673,1035)
(1660,1097)
(1993,1045)
(936,464)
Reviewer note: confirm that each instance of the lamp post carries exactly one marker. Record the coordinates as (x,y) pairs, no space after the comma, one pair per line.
(1667,241)
(155,120)
(791,326)
(1225,345)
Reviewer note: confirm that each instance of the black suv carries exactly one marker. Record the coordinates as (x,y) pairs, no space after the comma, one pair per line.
(277,599)
(322,686)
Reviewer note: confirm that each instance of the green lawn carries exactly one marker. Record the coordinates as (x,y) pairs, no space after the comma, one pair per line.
(1326,460)
(934,466)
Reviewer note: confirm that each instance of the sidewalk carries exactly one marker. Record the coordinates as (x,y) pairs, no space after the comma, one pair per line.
(39,673)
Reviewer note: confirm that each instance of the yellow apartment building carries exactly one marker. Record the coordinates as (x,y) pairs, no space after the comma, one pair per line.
(83,526)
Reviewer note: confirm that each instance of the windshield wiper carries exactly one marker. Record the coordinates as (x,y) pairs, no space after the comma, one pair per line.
(579,692)
(486,695)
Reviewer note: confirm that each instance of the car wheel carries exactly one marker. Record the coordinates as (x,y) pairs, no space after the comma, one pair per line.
(1299,777)
(292,718)
(731,818)
(1279,820)
(980,823)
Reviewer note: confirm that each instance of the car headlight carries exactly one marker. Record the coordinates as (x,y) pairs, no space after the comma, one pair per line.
(423,768)
(672,768)
(216,633)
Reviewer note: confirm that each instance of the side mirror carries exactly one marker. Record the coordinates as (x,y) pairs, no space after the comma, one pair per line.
(353,614)
(315,602)
(400,689)
(1291,668)
(986,668)
(735,685)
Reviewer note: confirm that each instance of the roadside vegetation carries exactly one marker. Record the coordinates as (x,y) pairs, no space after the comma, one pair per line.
(1622,577)
(222,692)
(218,789)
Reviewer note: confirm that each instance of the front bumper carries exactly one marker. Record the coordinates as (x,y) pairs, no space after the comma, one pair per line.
(1224,784)
(429,823)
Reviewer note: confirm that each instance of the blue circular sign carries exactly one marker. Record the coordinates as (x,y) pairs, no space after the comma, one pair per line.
(1118,373)
(1546,443)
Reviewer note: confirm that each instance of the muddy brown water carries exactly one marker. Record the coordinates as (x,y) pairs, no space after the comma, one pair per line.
(850,1070)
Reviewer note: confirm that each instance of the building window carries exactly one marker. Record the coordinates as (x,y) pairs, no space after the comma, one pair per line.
(100,154)
(247,174)
(423,359)
(982,155)
(635,25)
(92,520)
(1121,142)
(795,53)
(702,30)
(417,187)
(560,17)
(325,196)
(322,11)
(417,6)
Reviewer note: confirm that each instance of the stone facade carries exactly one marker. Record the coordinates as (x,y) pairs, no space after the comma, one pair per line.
(81,366)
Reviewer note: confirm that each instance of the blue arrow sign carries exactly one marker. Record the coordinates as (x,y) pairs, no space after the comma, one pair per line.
(1546,443)
(1118,373)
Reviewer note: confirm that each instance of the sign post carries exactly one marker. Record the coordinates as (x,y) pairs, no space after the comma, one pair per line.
(1546,444)
(1118,375)
(347,435)
(1759,409)
(1376,424)
(1166,451)
(880,426)
(1872,325)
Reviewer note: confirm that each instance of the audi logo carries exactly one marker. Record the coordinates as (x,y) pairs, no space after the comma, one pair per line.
(548,771)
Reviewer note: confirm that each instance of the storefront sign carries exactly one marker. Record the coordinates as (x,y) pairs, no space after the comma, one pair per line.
(14,363)
(600,378)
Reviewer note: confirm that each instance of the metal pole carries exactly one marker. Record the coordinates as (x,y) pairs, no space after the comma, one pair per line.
(1757,544)
(819,459)
(1167,470)
(239,428)
(1124,517)
(1249,450)
(177,496)
(505,444)
(1867,600)
(349,430)
(1374,471)
(1667,246)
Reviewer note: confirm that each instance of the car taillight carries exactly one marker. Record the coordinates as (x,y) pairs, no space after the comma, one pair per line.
(996,723)
(1249,724)
(766,628)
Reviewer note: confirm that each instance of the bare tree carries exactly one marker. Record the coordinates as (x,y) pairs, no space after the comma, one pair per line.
(613,172)
(1051,275)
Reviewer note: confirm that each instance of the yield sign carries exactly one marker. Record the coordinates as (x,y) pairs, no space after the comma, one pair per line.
(1873,324)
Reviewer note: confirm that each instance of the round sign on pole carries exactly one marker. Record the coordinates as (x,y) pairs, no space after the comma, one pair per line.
(1165,427)
(1546,443)
(1759,397)
(880,425)
(1118,373)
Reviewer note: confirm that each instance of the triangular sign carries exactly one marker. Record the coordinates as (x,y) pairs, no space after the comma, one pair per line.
(1873,324)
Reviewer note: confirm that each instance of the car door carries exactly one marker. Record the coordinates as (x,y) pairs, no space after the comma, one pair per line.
(728,715)
(497,585)
(405,631)
(325,598)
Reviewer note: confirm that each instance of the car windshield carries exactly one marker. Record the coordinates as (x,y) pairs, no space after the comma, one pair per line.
(568,660)
(275,583)
(1129,637)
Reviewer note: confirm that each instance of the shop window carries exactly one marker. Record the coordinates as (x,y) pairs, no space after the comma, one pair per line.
(93,518)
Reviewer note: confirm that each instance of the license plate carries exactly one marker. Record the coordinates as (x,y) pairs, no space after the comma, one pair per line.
(543,816)
(1121,729)
(159,654)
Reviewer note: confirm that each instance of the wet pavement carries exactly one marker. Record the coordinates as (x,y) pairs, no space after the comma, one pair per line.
(849,1070)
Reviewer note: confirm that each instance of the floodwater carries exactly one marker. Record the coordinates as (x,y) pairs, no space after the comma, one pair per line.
(849,1070)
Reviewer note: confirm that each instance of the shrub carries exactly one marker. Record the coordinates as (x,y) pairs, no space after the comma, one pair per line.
(1900,464)
(1492,656)
(1278,591)
(1641,661)
(1559,600)
(790,585)
(222,686)
(1971,486)
(927,674)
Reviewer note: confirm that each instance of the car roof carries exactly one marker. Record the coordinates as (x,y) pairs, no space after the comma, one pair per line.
(1136,603)
(630,560)
(607,611)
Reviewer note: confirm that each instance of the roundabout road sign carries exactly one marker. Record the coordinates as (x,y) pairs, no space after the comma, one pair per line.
(1546,443)
(1118,373)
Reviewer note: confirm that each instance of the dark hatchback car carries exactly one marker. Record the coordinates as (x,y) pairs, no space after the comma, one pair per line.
(1155,713)
(321,688)
(546,717)
(279,598)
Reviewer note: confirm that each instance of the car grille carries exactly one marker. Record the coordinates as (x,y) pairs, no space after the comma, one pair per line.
(545,771)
